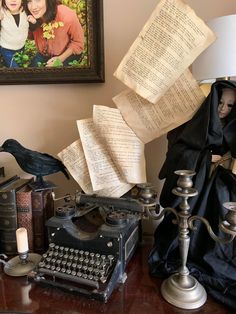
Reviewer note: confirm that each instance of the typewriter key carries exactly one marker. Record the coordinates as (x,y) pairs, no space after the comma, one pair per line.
(96,272)
(85,268)
(76,259)
(111,258)
(103,257)
(63,263)
(48,259)
(102,273)
(71,257)
(41,264)
(103,265)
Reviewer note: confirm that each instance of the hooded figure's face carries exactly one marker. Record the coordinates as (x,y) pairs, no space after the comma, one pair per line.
(227,100)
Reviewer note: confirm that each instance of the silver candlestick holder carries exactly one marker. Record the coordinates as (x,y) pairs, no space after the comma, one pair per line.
(181,289)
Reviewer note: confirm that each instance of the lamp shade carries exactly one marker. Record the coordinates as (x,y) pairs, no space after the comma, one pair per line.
(219,59)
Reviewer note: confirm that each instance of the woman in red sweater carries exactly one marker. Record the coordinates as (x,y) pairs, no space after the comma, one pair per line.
(64,41)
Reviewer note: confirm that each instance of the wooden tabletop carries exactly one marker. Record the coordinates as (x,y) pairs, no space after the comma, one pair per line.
(140,294)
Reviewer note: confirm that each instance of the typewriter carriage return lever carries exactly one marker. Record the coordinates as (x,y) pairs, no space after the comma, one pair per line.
(143,204)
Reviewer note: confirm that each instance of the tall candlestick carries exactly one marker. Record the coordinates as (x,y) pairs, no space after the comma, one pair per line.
(22,240)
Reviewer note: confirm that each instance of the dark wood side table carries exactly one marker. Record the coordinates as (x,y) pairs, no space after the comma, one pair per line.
(140,294)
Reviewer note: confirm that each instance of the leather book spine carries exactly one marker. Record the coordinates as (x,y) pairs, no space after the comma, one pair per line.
(42,207)
(24,213)
(8,223)
(37,211)
(8,216)
(8,241)
(48,212)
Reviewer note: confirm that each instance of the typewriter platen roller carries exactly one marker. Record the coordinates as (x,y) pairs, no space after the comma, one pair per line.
(90,245)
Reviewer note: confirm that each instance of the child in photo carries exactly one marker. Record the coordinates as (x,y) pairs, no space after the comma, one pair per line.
(14,30)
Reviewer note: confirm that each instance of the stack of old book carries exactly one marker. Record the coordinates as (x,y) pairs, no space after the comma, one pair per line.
(22,207)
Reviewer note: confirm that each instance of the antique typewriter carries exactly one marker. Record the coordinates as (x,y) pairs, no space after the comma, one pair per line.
(91,243)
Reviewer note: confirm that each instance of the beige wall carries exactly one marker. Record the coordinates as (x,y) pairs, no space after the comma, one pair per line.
(43,117)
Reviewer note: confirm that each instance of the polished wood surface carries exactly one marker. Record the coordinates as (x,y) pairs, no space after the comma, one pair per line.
(140,294)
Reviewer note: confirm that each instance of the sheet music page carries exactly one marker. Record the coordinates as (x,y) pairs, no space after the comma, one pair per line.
(149,121)
(169,42)
(126,149)
(74,159)
(102,169)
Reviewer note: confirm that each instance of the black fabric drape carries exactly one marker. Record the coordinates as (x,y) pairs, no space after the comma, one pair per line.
(190,147)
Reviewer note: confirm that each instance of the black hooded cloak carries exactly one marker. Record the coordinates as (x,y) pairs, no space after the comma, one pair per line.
(191,146)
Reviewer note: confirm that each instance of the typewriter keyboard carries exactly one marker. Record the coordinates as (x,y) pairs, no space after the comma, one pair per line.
(80,266)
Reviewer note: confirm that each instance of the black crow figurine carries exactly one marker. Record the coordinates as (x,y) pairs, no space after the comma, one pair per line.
(35,163)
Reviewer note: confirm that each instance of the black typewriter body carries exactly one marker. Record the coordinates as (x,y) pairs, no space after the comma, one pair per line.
(88,253)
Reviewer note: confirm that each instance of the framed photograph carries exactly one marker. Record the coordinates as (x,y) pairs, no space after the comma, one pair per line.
(84,65)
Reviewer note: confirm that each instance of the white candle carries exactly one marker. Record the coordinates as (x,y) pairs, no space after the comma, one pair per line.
(22,240)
